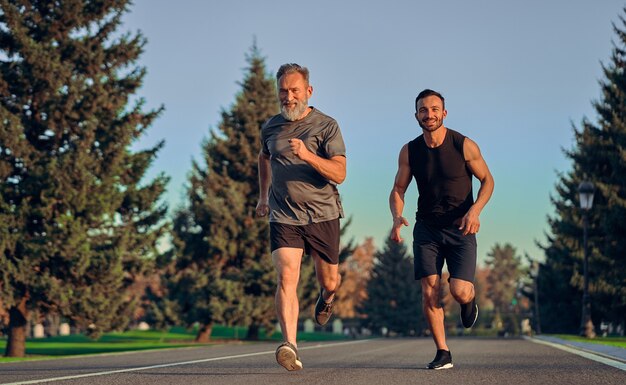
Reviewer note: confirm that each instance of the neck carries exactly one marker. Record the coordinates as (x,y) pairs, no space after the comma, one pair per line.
(435,138)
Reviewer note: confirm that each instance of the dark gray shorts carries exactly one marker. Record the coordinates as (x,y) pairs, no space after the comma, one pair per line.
(433,245)
(316,239)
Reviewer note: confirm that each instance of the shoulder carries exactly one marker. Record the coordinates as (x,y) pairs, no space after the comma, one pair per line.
(271,126)
(273,121)
(415,143)
(471,150)
(321,117)
(458,139)
(419,139)
(455,135)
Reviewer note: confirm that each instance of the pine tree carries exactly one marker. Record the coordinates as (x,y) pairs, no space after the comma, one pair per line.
(224,271)
(394,297)
(502,283)
(77,223)
(599,156)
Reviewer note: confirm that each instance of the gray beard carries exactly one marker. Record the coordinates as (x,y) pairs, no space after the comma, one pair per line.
(296,113)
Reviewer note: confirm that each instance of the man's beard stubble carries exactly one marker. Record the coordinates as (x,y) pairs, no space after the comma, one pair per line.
(431,129)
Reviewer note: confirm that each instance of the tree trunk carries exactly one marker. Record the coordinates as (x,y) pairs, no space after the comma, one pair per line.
(253,332)
(204,334)
(16,343)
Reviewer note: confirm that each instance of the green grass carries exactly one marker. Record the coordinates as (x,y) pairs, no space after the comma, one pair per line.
(59,346)
(135,340)
(620,342)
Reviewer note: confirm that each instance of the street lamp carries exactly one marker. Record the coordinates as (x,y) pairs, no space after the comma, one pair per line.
(585,193)
(534,273)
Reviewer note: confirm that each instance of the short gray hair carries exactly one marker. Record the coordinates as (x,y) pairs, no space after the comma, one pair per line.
(290,68)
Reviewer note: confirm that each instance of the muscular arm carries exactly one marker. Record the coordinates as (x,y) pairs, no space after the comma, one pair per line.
(396,198)
(470,223)
(265,178)
(333,169)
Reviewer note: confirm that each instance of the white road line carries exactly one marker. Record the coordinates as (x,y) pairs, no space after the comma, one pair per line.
(582,353)
(174,364)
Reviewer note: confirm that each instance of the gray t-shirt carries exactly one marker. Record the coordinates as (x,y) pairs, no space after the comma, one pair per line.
(299,195)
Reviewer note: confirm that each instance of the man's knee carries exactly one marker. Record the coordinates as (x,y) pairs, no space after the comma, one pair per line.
(462,291)
(430,292)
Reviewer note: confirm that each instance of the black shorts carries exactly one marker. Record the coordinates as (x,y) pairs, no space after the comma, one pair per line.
(316,239)
(432,245)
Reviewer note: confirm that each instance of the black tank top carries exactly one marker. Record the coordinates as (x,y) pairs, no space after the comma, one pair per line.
(443,180)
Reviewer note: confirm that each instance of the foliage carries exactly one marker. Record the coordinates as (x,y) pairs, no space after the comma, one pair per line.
(503,283)
(599,156)
(355,274)
(394,298)
(220,269)
(77,223)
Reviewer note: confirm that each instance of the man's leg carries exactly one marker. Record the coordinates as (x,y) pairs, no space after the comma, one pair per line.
(431,297)
(328,277)
(431,301)
(287,262)
(462,291)
(461,259)
(323,244)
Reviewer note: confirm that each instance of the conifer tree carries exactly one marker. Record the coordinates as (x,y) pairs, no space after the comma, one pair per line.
(599,156)
(77,222)
(224,270)
(394,297)
(502,283)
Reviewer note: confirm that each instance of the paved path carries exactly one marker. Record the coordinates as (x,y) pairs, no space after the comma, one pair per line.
(377,361)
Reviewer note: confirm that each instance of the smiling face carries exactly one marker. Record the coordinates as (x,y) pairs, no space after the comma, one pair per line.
(294,93)
(430,113)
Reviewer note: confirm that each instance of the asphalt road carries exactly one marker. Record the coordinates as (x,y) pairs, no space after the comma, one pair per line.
(378,361)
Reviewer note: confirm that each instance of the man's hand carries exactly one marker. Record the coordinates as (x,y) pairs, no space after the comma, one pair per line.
(262,208)
(298,148)
(470,224)
(398,222)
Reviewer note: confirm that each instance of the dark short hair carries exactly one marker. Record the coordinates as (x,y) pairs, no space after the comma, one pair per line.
(290,68)
(428,92)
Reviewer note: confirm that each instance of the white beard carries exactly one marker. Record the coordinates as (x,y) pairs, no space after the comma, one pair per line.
(296,112)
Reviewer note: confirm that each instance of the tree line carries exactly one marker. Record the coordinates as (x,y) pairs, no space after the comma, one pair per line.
(80,221)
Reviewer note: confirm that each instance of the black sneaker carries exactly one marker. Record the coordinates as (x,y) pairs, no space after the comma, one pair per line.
(287,357)
(323,309)
(469,313)
(443,360)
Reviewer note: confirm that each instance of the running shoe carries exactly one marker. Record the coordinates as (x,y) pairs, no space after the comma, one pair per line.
(443,360)
(469,313)
(323,309)
(287,357)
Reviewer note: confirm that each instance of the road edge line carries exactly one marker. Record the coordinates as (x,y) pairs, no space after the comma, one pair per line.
(582,353)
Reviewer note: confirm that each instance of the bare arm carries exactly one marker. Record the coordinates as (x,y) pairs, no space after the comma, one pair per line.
(470,223)
(396,198)
(265,178)
(333,169)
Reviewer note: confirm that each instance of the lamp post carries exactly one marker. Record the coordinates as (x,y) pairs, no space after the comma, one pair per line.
(534,273)
(585,193)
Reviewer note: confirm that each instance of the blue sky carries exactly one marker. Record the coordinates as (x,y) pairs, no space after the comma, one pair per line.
(516,75)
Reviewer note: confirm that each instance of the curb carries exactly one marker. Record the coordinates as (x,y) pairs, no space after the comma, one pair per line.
(594,355)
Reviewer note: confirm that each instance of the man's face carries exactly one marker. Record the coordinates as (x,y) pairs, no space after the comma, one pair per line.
(293,93)
(430,113)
